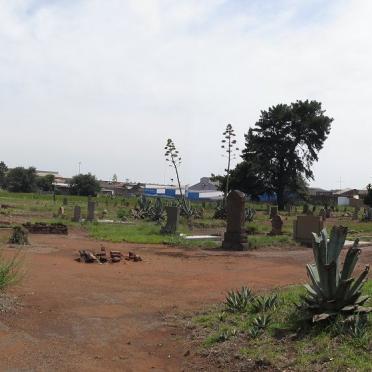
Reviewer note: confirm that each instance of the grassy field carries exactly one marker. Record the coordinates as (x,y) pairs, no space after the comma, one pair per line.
(324,347)
(42,208)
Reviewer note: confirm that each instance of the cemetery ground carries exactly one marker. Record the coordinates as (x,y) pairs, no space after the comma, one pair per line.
(166,312)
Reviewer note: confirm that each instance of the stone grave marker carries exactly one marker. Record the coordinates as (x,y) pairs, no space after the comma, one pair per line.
(235,237)
(276,225)
(61,212)
(65,201)
(322,214)
(91,210)
(77,214)
(273,211)
(304,227)
(173,218)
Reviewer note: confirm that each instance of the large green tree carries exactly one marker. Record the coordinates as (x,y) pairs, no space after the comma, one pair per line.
(243,178)
(85,185)
(284,144)
(46,183)
(3,170)
(21,179)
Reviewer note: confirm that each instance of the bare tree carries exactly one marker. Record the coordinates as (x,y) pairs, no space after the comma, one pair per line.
(173,157)
(229,146)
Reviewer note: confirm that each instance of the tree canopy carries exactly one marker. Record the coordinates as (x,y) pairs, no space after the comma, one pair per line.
(85,185)
(3,170)
(243,178)
(46,183)
(21,179)
(283,145)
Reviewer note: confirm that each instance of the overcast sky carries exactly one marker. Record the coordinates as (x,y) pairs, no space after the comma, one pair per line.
(106,82)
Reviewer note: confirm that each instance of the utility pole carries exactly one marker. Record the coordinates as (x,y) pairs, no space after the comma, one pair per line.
(79,166)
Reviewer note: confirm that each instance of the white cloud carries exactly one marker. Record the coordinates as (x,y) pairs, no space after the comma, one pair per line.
(106,82)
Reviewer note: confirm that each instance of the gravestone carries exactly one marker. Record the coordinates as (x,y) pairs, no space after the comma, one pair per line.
(368,214)
(288,208)
(61,212)
(273,211)
(77,214)
(276,225)
(328,213)
(65,201)
(235,237)
(304,227)
(356,213)
(305,209)
(91,210)
(322,214)
(173,217)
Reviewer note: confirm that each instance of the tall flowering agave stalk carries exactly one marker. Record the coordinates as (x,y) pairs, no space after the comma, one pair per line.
(333,290)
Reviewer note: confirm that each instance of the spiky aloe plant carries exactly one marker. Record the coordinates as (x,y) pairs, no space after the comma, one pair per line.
(249,214)
(238,301)
(157,211)
(332,289)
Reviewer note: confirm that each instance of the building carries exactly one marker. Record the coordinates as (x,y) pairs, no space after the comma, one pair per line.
(204,185)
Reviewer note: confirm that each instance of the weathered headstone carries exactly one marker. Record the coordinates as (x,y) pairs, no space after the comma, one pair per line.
(61,212)
(65,201)
(91,210)
(322,214)
(368,214)
(276,225)
(173,217)
(305,209)
(235,237)
(77,214)
(288,208)
(356,213)
(328,213)
(273,211)
(304,227)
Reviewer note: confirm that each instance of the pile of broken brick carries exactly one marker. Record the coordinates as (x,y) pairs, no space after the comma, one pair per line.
(102,256)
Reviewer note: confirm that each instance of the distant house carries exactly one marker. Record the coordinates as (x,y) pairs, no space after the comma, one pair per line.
(42,173)
(121,188)
(205,184)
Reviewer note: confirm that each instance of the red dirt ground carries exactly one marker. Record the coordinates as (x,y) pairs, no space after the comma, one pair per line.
(89,317)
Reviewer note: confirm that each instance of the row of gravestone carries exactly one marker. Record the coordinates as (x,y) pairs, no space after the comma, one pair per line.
(235,237)
(90,214)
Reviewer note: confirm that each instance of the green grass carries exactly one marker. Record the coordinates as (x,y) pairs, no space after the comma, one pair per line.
(41,208)
(144,233)
(10,270)
(320,348)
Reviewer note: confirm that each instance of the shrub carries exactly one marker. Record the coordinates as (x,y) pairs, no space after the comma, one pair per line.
(19,236)
(9,271)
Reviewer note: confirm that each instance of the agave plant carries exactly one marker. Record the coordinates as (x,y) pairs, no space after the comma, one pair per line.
(254,332)
(220,211)
(356,325)
(262,321)
(143,208)
(238,301)
(332,289)
(157,211)
(265,303)
(249,214)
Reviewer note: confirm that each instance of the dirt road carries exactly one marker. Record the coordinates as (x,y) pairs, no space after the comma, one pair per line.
(88,317)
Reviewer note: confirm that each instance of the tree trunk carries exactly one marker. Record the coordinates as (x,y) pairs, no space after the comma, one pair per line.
(280,198)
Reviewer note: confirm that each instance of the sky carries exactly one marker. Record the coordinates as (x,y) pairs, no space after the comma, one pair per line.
(106,82)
